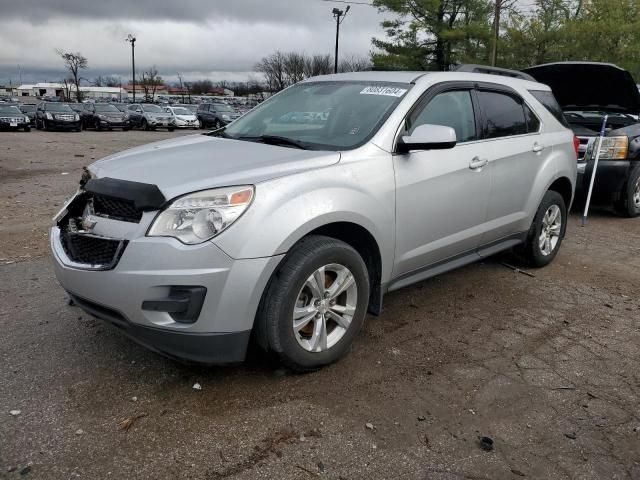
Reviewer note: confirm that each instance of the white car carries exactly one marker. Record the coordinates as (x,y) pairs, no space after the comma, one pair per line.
(183,117)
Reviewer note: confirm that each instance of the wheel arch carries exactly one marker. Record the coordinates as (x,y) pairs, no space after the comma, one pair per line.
(564,187)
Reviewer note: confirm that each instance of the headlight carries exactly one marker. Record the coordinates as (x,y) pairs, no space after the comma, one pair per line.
(102,116)
(26,119)
(612,148)
(225,117)
(125,116)
(76,117)
(200,216)
(49,116)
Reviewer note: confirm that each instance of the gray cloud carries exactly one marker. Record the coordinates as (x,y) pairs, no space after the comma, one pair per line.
(218,39)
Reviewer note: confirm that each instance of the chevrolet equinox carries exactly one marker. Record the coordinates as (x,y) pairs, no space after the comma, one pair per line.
(287,231)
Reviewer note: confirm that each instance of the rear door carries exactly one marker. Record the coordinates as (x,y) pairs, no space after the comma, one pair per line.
(441,195)
(517,154)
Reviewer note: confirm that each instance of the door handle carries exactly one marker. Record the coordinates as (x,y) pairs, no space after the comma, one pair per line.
(477,163)
(537,147)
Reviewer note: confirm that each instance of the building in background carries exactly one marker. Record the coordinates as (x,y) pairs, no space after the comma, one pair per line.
(59,90)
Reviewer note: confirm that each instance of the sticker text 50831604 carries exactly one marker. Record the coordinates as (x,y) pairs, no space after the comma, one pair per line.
(388,91)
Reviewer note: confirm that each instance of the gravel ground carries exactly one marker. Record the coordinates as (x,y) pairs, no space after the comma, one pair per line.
(546,366)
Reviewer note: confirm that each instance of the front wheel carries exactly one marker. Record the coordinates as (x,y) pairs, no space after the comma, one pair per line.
(145,124)
(27,129)
(314,305)
(629,204)
(546,232)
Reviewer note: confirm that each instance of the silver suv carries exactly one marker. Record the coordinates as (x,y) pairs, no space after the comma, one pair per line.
(288,231)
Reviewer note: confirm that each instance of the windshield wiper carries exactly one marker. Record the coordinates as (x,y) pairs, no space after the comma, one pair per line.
(276,140)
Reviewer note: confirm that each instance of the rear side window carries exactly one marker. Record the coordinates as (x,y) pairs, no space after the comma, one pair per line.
(547,99)
(452,109)
(503,114)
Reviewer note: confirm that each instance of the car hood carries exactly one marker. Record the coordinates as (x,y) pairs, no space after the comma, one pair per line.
(589,86)
(196,162)
(13,115)
(186,117)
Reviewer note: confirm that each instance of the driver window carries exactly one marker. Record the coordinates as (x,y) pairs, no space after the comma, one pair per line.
(452,109)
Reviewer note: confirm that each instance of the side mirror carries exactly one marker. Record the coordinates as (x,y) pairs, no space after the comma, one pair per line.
(428,137)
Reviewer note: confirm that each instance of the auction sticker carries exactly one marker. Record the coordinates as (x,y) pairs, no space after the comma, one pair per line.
(388,91)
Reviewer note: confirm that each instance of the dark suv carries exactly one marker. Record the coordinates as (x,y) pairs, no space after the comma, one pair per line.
(586,92)
(29,111)
(12,118)
(54,115)
(215,114)
(104,115)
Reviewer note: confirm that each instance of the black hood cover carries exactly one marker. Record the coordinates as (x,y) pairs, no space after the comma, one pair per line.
(589,86)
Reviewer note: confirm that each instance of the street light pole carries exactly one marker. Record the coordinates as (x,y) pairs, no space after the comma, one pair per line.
(131,39)
(337,14)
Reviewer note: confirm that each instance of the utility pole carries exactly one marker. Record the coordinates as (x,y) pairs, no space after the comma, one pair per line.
(181,88)
(337,14)
(132,40)
(496,32)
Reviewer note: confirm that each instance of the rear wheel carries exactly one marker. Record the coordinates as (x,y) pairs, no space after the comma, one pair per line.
(217,125)
(546,232)
(145,124)
(314,305)
(629,204)
(27,128)
(97,125)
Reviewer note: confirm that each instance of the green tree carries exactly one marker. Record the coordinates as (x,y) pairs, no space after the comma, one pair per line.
(433,34)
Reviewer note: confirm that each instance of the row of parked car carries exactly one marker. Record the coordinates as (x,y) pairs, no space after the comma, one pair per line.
(109,116)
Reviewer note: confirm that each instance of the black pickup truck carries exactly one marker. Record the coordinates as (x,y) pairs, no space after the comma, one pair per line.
(586,92)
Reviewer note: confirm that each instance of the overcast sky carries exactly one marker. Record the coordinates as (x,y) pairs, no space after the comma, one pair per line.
(216,39)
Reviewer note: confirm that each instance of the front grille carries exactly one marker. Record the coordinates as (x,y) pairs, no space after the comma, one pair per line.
(116,208)
(91,250)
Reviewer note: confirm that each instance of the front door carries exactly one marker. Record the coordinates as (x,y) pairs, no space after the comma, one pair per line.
(442,195)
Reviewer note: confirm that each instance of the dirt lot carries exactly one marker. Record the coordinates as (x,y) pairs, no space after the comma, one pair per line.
(548,367)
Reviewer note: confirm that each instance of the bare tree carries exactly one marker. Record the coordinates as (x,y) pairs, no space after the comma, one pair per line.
(273,69)
(355,64)
(107,81)
(74,62)
(318,65)
(150,82)
(66,86)
(294,67)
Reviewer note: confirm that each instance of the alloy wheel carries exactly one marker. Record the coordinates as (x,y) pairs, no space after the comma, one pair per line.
(636,195)
(551,229)
(325,307)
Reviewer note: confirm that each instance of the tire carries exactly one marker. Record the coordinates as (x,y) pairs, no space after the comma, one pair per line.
(37,125)
(171,129)
(27,129)
(44,124)
(217,125)
(533,253)
(96,125)
(125,129)
(303,350)
(145,125)
(629,203)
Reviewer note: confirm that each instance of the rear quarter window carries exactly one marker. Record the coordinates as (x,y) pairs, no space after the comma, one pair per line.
(547,99)
(504,116)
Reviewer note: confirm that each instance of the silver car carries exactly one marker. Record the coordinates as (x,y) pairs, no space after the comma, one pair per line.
(288,232)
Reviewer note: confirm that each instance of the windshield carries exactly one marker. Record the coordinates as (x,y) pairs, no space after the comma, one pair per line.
(28,108)
(57,107)
(9,109)
(106,108)
(182,111)
(323,115)
(220,107)
(152,108)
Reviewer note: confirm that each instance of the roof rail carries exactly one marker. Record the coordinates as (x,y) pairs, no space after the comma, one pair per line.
(505,72)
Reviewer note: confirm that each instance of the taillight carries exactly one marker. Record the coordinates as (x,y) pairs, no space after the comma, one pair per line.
(576,144)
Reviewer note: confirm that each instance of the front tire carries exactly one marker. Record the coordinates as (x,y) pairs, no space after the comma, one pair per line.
(629,204)
(145,125)
(546,232)
(27,129)
(314,304)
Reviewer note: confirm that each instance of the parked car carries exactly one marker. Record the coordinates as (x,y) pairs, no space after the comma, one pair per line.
(216,115)
(77,107)
(29,111)
(149,117)
(289,233)
(123,107)
(11,118)
(182,117)
(586,92)
(104,115)
(189,106)
(56,115)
